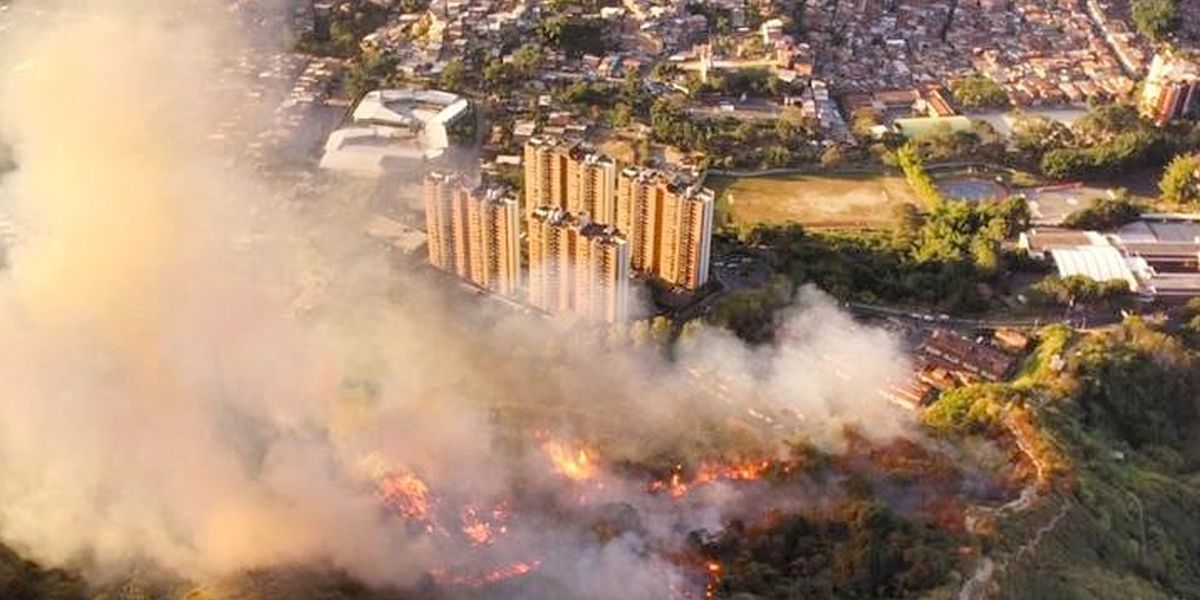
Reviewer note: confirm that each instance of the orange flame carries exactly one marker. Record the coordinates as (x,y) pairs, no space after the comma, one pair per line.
(676,487)
(737,472)
(478,531)
(481,531)
(714,578)
(407,495)
(574,465)
(474,580)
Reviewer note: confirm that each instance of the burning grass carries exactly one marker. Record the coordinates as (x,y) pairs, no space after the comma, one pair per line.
(899,499)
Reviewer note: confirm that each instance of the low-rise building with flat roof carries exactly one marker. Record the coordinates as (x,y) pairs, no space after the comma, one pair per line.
(1159,255)
(395,130)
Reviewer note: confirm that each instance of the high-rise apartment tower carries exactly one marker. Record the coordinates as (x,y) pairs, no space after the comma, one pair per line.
(474,232)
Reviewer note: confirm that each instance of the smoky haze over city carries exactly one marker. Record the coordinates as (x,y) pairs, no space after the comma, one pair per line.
(204,379)
(599,299)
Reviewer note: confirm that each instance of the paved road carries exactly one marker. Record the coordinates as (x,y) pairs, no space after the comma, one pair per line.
(871,310)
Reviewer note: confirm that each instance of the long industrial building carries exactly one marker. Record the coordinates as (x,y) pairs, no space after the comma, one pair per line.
(1157,255)
(577,266)
(474,232)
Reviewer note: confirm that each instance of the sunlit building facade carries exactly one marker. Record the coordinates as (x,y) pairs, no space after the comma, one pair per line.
(1171,89)
(577,266)
(584,211)
(669,226)
(570,176)
(440,191)
(474,232)
(591,185)
(545,162)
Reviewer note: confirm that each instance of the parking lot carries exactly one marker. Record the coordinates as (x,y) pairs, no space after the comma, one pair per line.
(1049,206)
(741,271)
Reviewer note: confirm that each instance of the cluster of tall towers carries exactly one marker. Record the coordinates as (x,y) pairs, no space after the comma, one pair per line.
(590,223)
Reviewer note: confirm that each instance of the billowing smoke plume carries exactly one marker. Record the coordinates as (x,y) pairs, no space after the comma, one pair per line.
(165,402)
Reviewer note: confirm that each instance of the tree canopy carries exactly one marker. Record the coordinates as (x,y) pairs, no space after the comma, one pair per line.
(979,92)
(1139,382)
(1068,291)
(1156,19)
(1105,214)
(1180,183)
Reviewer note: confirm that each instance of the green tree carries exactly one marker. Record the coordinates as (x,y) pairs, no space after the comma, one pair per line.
(1139,382)
(970,409)
(527,60)
(776,156)
(856,550)
(1077,289)
(498,75)
(662,330)
(1035,135)
(1156,19)
(370,70)
(621,115)
(910,162)
(690,332)
(453,76)
(1104,123)
(1180,183)
(1105,213)
(979,92)
(24,580)
(908,224)
(750,314)
(664,71)
(575,36)
(671,124)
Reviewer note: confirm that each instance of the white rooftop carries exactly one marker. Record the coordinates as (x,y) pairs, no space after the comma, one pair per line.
(1101,263)
(393,128)
(371,151)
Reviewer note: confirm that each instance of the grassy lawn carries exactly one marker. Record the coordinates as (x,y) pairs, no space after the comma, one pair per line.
(817,201)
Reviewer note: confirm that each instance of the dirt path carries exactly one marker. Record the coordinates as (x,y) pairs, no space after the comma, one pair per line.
(979,584)
(976,586)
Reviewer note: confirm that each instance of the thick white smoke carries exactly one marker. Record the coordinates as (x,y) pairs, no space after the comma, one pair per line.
(163,403)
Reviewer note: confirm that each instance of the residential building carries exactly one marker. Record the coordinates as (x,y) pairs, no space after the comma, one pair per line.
(667,219)
(545,173)
(474,232)
(964,353)
(570,176)
(591,185)
(1171,90)
(577,267)
(441,196)
(495,231)
(669,226)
